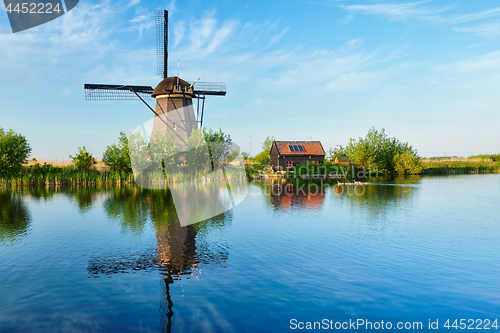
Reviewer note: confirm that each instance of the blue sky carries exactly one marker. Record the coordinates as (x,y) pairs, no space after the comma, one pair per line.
(426,71)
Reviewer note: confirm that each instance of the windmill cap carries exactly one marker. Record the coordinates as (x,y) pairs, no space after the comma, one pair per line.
(168,84)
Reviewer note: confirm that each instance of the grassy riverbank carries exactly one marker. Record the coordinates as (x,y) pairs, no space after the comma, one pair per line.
(69,177)
(459,166)
(47,174)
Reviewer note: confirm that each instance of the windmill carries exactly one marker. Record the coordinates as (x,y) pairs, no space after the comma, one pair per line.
(174,112)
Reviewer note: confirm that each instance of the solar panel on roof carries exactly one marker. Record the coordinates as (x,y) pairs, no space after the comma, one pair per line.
(296,148)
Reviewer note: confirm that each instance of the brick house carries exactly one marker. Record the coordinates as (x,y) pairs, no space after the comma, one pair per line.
(286,154)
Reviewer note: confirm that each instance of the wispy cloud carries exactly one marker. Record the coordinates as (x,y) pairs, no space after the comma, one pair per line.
(179,31)
(494,12)
(347,19)
(277,37)
(490,30)
(133,3)
(420,12)
(399,12)
(477,66)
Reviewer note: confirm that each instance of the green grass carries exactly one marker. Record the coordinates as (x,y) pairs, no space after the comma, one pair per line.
(49,175)
(459,166)
(69,177)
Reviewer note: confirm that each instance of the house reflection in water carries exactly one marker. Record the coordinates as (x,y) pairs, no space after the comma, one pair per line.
(296,195)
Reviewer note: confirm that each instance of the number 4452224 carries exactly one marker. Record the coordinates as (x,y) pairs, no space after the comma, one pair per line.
(472,324)
(33,8)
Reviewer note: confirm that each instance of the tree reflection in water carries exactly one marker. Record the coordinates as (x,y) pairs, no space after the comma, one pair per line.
(15,217)
(381,195)
(285,196)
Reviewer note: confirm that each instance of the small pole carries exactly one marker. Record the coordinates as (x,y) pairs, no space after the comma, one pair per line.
(202,109)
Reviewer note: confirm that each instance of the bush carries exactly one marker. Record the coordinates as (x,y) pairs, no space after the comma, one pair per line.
(406,163)
(117,157)
(219,146)
(84,159)
(262,157)
(14,152)
(378,150)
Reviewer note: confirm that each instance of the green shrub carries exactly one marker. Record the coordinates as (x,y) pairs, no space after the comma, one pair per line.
(117,157)
(14,152)
(406,163)
(83,160)
(380,151)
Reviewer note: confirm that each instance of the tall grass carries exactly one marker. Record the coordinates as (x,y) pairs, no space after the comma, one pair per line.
(49,175)
(69,178)
(459,165)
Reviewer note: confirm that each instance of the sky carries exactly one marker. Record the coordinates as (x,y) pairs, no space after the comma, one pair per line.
(426,71)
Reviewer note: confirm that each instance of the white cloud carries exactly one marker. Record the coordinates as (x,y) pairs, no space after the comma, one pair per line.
(277,37)
(490,30)
(140,19)
(133,3)
(476,16)
(221,35)
(399,12)
(418,12)
(179,31)
(477,66)
(347,19)
(351,45)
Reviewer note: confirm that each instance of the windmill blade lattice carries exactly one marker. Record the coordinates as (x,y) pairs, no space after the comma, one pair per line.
(100,92)
(210,88)
(161,19)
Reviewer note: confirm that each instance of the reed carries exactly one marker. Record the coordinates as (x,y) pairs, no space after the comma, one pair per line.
(459,166)
(50,175)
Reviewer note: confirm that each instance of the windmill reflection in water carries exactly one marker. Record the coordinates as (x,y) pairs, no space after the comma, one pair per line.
(178,250)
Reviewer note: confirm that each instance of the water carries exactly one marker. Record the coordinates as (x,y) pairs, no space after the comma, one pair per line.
(113,259)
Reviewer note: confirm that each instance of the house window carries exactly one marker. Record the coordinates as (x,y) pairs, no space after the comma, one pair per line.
(289,164)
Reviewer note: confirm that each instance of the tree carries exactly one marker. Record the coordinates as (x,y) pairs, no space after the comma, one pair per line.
(378,150)
(84,159)
(336,152)
(164,150)
(117,157)
(219,147)
(197,156)
(263,156)
(14,152)
(406,163)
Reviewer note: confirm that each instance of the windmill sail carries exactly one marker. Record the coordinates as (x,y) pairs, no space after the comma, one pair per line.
(99,92)
(161,19)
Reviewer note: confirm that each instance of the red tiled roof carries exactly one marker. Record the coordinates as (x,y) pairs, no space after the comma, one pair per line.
(310,148)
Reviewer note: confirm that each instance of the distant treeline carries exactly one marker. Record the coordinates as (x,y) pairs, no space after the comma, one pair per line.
(481,157)
(493,157)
